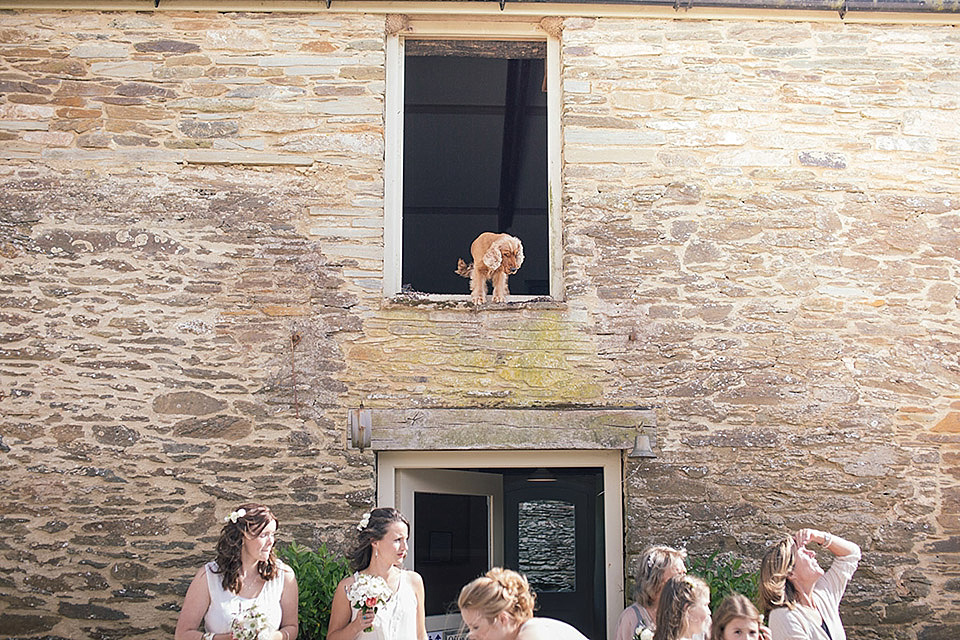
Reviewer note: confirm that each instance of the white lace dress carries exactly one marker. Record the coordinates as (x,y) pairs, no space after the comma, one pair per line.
(397,618)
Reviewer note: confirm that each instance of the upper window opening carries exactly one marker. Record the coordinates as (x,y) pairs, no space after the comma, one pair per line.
(474,159)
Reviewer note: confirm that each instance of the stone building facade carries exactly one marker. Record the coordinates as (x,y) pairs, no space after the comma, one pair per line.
(758,243)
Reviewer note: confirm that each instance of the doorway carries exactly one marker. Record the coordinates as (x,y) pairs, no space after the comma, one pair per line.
(548,521)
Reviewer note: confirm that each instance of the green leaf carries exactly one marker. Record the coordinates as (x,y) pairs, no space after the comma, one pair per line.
(318,574)
(724,574)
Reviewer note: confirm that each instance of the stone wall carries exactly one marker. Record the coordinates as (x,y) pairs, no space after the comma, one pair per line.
(173,329)
(773,261)
(760,239)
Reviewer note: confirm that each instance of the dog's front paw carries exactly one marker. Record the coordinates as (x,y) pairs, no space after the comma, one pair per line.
(478,299)
(499,299)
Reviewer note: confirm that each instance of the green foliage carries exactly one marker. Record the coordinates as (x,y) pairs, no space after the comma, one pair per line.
(724,573)
(318,573)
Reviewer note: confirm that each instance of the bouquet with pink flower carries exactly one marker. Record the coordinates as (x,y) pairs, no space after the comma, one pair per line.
(367,593)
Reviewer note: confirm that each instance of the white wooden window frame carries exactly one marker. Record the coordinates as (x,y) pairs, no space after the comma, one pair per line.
(610,461)
(393,139)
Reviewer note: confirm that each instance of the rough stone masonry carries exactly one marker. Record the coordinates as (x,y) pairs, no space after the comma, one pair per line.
(761,239)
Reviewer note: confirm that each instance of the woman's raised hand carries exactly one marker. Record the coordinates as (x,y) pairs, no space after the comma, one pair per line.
(805,536)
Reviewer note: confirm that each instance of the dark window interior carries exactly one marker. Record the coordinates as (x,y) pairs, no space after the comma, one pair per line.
(474,160)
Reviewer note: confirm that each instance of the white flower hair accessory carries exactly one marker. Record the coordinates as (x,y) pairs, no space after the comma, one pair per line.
(235,515)
(364,521)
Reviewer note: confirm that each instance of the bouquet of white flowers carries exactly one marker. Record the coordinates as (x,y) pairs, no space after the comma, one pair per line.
(250,625)
(367,593)
(642,633)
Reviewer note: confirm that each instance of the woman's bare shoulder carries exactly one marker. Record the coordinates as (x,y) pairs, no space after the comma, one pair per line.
(346,582)
(415,578)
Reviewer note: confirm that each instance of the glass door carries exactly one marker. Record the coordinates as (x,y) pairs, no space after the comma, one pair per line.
(456,518)
(553,520)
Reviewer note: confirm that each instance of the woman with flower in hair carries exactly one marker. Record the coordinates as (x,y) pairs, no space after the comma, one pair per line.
(247,593)
(381,600)
(683,612)
(802,599)
(657,565)
(499,606)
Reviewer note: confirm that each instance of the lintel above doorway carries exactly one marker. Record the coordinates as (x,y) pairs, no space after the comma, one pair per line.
(491,429)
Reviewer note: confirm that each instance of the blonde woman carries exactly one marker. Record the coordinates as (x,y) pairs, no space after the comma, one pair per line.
(804,601)
(684,610)
(657,565)
(499,606)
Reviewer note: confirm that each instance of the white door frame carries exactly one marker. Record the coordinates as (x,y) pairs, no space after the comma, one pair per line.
(610,461)
(410,480)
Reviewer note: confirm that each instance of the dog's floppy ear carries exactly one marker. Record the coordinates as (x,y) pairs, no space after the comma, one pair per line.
(492,258)
(519,252)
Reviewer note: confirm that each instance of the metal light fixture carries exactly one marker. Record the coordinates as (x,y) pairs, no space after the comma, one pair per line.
(360,428)
(541,475)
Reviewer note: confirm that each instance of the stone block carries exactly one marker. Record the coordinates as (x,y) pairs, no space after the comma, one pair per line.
(940,631)
(166,46)
(126,69)
(222,426)
(89,612)
(16,624)
(950,423)
(101,49)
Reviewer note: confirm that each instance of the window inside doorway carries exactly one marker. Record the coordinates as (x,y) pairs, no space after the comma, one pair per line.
(547,549)
(474,159)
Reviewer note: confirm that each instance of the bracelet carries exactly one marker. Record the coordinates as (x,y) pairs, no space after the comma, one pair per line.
(827,540)
(207,636)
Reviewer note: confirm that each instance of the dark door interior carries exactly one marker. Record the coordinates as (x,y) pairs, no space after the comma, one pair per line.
(552,521)
(450,546)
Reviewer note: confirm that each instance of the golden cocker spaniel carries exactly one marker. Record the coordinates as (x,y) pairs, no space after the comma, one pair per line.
(496,256)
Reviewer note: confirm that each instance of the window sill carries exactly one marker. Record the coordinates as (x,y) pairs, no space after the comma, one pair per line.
(434,301)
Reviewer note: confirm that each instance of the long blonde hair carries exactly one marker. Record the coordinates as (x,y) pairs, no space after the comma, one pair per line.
(679,594)
(774,589)
(733,606)
(498,591)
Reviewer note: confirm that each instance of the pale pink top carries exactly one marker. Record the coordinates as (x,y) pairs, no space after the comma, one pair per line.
(632,618)
(801,622)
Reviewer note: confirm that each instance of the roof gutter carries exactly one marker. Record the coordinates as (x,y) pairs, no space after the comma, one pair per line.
(471,7)
(841,6)
(909,6)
